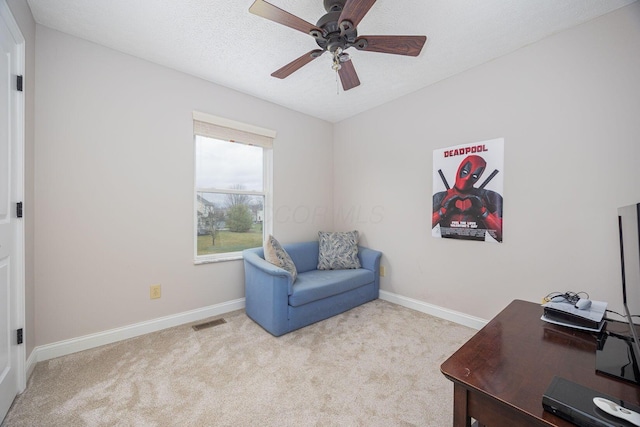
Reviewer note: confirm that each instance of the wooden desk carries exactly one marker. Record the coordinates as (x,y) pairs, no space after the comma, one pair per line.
(501,373)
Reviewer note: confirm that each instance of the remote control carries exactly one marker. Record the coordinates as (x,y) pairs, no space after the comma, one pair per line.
(616,410)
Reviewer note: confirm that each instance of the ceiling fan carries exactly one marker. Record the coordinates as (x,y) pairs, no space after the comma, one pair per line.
(336,32)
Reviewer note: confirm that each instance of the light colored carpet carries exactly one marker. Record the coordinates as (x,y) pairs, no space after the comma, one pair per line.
(375,365)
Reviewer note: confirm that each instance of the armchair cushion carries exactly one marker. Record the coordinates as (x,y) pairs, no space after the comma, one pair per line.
(318,284)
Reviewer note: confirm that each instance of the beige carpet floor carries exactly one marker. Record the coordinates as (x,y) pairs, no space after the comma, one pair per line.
(375,365)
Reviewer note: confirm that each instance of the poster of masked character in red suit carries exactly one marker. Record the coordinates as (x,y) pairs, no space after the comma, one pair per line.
(467,191)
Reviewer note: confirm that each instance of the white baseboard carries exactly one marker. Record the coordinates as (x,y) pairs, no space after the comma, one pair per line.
(62,348)
(30,365)
(434,310)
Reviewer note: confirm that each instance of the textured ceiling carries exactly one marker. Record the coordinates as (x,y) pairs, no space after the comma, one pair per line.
(220,41)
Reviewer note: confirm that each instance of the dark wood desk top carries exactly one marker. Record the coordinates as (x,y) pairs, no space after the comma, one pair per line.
(516,355)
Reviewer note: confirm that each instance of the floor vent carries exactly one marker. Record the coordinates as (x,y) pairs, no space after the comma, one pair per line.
(209,324)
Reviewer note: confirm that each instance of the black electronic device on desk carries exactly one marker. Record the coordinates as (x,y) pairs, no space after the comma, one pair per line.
(618,355)
(582,406)
(566,313)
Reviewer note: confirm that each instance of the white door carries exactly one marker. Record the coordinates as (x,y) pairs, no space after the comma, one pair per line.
(11,264)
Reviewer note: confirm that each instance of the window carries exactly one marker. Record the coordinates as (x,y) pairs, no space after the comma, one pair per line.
(232,187)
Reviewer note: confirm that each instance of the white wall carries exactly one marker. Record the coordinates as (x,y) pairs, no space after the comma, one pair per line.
(569,110)
(113,178)
(114,187)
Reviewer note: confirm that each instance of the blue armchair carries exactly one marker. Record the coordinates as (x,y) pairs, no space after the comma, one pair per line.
(280,305)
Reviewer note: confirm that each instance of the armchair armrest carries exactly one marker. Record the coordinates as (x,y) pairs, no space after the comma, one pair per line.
(267,289)
(370,259)
(261,265)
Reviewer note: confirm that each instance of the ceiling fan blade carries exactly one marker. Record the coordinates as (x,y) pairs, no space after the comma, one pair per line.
(354,11)
(348,75)
(397,45)
(296,64)
(275,14)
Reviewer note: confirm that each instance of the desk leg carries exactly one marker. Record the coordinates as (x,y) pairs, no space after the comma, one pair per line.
(461,417)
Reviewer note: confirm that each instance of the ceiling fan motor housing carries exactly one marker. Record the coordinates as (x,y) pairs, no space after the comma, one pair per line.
(333,36)
(334,5)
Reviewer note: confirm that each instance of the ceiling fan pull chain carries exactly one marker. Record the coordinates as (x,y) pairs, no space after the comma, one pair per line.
(337,87)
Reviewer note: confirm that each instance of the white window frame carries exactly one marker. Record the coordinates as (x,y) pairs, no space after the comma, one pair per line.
(230,130)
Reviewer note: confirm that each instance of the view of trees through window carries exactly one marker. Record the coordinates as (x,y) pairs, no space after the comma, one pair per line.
(230,196)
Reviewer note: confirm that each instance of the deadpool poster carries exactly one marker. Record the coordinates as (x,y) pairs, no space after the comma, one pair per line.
(467,191)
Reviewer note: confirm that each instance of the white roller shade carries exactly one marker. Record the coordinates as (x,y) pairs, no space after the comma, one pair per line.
(230,130)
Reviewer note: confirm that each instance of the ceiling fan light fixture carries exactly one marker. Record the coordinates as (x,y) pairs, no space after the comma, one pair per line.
(338,59)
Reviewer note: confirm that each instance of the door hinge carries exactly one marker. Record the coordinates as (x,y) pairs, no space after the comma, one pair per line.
(19,83)
(20,338)
(19,210)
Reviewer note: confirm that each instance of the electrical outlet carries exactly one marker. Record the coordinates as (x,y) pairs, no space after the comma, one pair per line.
(382,271)
(155,291)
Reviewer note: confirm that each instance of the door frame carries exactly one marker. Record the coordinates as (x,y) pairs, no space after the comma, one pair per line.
(17,167)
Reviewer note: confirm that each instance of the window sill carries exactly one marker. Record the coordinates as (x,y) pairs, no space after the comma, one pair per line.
(233,257)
